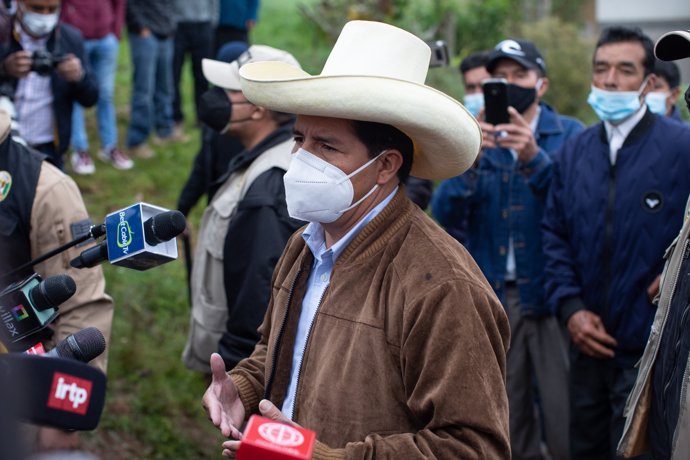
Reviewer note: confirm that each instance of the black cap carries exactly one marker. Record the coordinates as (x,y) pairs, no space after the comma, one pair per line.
(524,52)
(673,45)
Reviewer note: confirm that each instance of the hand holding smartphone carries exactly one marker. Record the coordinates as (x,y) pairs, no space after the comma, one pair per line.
(496,101)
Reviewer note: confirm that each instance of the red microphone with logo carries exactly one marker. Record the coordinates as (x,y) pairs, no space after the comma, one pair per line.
(266,439)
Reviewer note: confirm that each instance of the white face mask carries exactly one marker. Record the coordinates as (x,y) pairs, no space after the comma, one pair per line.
(39,25)
(317,191)
(656,101)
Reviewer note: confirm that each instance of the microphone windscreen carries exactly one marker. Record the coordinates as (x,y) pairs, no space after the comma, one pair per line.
(52,291)
(83,345)
(56,392)
(164,227)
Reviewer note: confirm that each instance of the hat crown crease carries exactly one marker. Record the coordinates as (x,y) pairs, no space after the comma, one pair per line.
(380,50)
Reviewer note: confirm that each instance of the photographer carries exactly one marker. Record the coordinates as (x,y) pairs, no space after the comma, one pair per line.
(43,64)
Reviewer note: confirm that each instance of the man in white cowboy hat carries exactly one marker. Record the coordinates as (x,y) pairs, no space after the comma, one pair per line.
(382,335)
(246,225)
(658,409)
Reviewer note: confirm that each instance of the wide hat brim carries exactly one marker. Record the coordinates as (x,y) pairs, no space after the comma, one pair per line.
(673,45)
(446,136)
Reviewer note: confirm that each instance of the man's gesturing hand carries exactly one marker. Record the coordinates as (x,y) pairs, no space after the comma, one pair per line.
(589,335)
(222,401)
(268,410)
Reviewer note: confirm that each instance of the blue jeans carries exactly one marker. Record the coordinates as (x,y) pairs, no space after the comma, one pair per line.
(152,88)
(101,56)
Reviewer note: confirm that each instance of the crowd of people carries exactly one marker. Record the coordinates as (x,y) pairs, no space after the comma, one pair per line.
(377,261)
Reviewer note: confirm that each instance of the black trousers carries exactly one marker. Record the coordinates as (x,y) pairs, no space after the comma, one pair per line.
(195,39)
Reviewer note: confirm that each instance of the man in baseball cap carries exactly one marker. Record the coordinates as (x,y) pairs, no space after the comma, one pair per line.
(246,224)
(658,414)
(504,193)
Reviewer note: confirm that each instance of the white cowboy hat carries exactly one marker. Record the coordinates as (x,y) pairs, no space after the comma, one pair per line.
(375,72)
(673,45)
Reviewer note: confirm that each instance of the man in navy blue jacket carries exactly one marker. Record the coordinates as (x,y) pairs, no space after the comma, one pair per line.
(44,94)
(502,199)
(617,195)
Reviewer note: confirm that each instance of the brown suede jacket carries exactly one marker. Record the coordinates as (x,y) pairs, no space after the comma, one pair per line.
(406,355)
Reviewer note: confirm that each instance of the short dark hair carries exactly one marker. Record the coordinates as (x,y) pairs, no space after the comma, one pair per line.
(474,60)
(378,137)
(668,71)
(618,34)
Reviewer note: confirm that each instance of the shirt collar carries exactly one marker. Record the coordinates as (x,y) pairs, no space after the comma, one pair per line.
(315,238)
(623,128)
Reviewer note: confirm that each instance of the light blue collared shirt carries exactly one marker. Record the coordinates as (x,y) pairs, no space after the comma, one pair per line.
(319,278)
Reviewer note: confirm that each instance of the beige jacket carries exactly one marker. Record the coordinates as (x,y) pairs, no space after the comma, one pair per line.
(58,204)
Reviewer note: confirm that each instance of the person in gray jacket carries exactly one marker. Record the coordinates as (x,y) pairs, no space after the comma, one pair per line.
(657,417)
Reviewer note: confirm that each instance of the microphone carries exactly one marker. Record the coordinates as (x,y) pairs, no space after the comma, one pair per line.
(61,393)
(140,237)
(266,439)
(83,345)
(29,305)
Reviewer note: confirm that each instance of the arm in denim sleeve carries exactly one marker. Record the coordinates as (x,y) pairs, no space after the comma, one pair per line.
(452,200)
(538,172)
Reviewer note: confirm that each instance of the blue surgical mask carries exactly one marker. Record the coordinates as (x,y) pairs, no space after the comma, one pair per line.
(615,106)
(474,103)
(656,101)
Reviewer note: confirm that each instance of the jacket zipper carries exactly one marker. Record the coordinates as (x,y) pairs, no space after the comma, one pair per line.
(608,240)
(304,350)
(276,350)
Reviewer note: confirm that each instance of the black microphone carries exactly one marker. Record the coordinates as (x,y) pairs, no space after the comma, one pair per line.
(163,227)
(29,305)
(61,393)
(52,291)
(92,256)
(136,243)
(83,345)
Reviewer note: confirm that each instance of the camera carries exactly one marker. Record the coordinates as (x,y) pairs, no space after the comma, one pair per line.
(439,53)
(43,61)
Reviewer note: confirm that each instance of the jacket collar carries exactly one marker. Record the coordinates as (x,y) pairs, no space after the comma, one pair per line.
(549,123)
(637,132)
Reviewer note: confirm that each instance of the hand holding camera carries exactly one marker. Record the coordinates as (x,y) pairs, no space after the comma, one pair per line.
(69,67)
(17,65)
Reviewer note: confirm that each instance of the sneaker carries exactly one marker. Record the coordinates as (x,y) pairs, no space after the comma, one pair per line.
(82,162)
(141,151)
(117,158)
(177,135)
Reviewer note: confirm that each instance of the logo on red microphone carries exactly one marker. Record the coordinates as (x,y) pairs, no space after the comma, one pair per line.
(70,393)
(281,434)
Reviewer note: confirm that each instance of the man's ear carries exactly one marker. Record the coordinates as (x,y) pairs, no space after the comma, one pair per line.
(390,162)
(543,88)
(259,112)
(649,87)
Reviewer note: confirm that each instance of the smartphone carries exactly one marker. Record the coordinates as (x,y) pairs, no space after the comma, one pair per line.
(496,101)
(439,53)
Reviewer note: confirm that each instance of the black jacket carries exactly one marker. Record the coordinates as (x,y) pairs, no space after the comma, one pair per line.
(210,164)
(256,237)
(65,39)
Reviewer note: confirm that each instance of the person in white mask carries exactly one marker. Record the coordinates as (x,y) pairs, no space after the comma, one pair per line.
(381,335)
(615,204)
(41,70)
(662,100)
(473,72)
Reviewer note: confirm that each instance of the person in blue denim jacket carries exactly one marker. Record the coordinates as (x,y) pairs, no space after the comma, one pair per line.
(502,199)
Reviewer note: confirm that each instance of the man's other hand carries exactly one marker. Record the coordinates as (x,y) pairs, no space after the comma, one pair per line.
(17,65)
(589,335)
(222,401)
(70,68)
